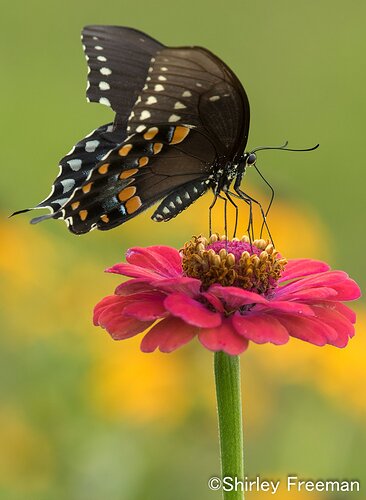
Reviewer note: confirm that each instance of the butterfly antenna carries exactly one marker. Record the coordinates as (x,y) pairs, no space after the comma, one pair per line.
(284,148)
(270,201)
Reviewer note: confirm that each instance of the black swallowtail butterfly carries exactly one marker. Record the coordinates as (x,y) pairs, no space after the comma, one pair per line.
(180,129)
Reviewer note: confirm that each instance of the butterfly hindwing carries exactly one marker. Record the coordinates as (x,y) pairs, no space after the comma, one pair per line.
(77,164)
(144,169)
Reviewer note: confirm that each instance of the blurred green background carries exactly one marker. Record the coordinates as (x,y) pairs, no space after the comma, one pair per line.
(86,418)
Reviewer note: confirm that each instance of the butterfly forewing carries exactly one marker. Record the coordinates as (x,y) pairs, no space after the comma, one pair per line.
(192,86)
(118,60)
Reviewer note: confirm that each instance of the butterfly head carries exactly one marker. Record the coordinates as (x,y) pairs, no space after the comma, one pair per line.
(250,159)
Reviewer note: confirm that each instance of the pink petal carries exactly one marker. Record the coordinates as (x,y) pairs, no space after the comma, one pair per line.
(146,310)
(192,312)
(223,338)
(105,303)
(213,301)
(168,335)
(307,329)
(348,290)
(327,279)
(260,328)
(341,325)
(163,260)
(187,286)
(337,306)
(297,268)
(132,271)
(236,297)
(287,307)
(322,293)
(346,312)
(137,285)
(120,327)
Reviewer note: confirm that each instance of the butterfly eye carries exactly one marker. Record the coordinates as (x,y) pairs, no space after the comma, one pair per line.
(252,158)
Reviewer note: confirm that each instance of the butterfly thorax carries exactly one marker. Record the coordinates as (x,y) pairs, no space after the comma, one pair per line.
(225,173)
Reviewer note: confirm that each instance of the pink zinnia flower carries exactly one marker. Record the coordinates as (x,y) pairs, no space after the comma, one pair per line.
(226,293)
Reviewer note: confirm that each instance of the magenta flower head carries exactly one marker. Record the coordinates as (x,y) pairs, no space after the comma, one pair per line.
(226,293)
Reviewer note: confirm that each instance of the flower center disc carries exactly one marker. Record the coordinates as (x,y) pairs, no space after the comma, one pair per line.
(255,267)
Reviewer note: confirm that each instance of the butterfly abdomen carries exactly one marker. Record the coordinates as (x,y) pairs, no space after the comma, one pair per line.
(178,201)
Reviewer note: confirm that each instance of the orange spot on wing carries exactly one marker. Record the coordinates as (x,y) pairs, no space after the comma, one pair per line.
(180,133)
(87,187)
(151,133)
(75,205)
(133,204)
(125,150)
(144,160)
(103,169)
(128,173)
(104,218)
(157,147)
(83,214)
(126,193)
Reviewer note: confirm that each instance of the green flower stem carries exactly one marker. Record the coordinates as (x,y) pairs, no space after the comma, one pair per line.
(228,393)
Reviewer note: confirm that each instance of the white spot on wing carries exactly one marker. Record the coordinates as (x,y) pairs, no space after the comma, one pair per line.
(104,86)
(171,204)
(174,118)
(91,146)
(187,93)
(74,164)
(67,185)
(179,105)
(98,47)
(164,68)
(159,88)
(178,199)
(102,58)
(162,78)
(104,100)
(166,211)
(214,98)
(199,84)
(105,71)
(145,115)
(61,201)
(151,100)
(140,128)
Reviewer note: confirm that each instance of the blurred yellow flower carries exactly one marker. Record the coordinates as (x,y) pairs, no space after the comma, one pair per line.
(26,461)
(125,383)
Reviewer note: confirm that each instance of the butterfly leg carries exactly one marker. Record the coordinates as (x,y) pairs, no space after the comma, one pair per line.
(218,195)
(236,212)
(210,214)
(251,200)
